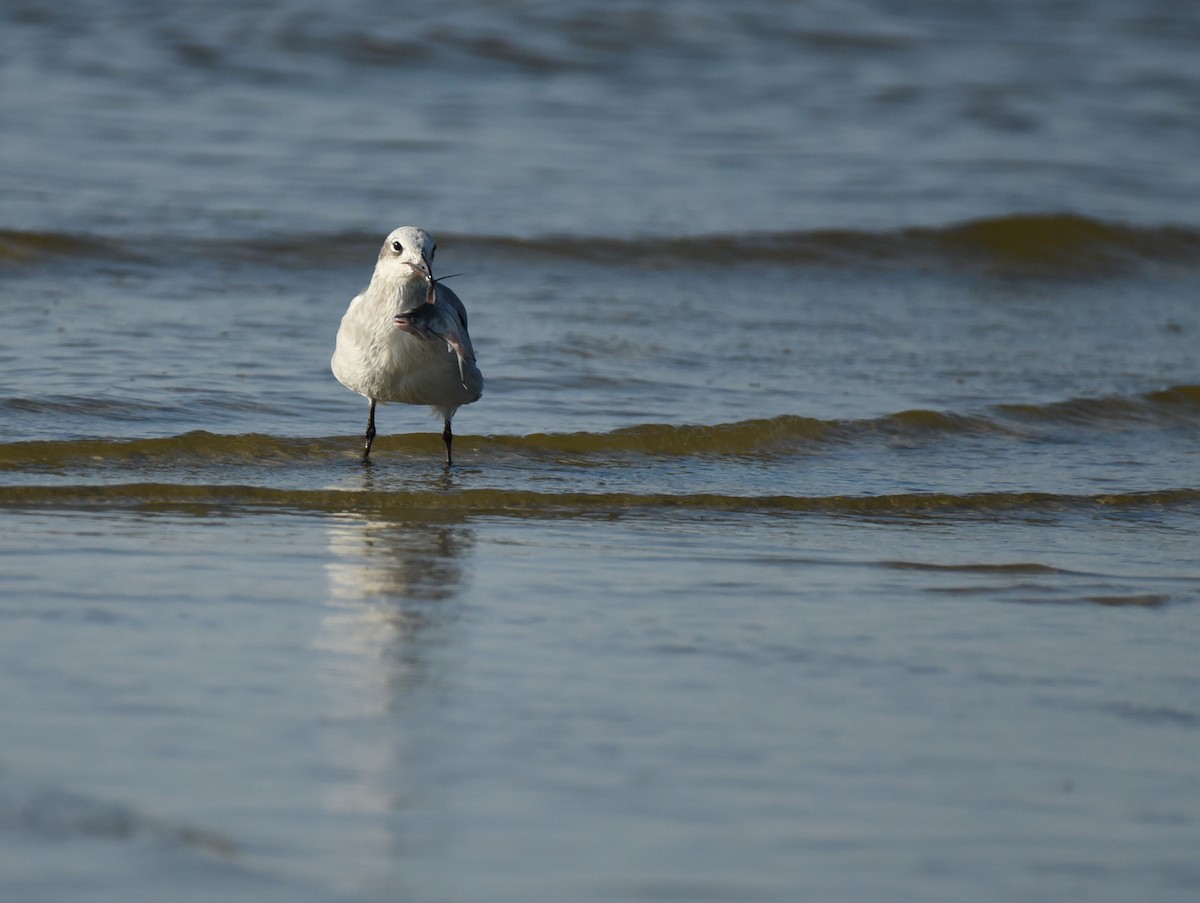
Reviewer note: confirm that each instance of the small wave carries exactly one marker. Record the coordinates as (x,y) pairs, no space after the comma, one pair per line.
(758,438)
(97,406)
(775,435)
(1017,567)
(18,247)
(455,505)
(747,437)
(1061,243)
(1177,405)
(1139,600)
(1020,244)
(199,446)
(761,438)
(1033,244)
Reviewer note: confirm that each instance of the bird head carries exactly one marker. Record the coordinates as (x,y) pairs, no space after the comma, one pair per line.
(407,251)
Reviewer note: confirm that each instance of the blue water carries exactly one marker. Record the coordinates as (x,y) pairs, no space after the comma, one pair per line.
(827,529)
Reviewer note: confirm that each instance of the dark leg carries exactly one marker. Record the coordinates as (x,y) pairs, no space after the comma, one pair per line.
(370,437)
(447,437)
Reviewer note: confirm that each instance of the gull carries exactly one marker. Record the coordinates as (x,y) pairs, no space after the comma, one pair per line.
(404,337)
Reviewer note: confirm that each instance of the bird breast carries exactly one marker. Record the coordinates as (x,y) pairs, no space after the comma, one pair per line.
(379,360)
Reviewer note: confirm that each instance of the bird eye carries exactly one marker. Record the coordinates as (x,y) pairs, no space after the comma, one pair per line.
(397,247)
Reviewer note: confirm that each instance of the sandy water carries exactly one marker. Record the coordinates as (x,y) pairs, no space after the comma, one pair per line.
(827,529)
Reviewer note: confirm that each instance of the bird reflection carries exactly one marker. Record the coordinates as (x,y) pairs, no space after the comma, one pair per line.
(390,616)
(388,585)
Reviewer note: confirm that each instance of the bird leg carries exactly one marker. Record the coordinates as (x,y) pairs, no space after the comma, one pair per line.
(370,436)
(448,437)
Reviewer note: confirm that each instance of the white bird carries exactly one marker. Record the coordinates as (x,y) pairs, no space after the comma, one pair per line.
(404,338)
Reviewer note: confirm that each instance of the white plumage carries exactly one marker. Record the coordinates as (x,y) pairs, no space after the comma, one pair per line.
(383,356)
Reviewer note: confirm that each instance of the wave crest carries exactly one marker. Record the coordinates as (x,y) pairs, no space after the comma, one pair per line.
(1064,244)
(426,504)
(787,434)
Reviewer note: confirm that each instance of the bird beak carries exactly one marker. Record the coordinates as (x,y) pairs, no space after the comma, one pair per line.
(423,268)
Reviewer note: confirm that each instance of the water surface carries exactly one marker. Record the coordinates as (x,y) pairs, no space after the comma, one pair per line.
(827,528)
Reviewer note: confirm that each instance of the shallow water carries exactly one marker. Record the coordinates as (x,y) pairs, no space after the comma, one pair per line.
(827,528)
